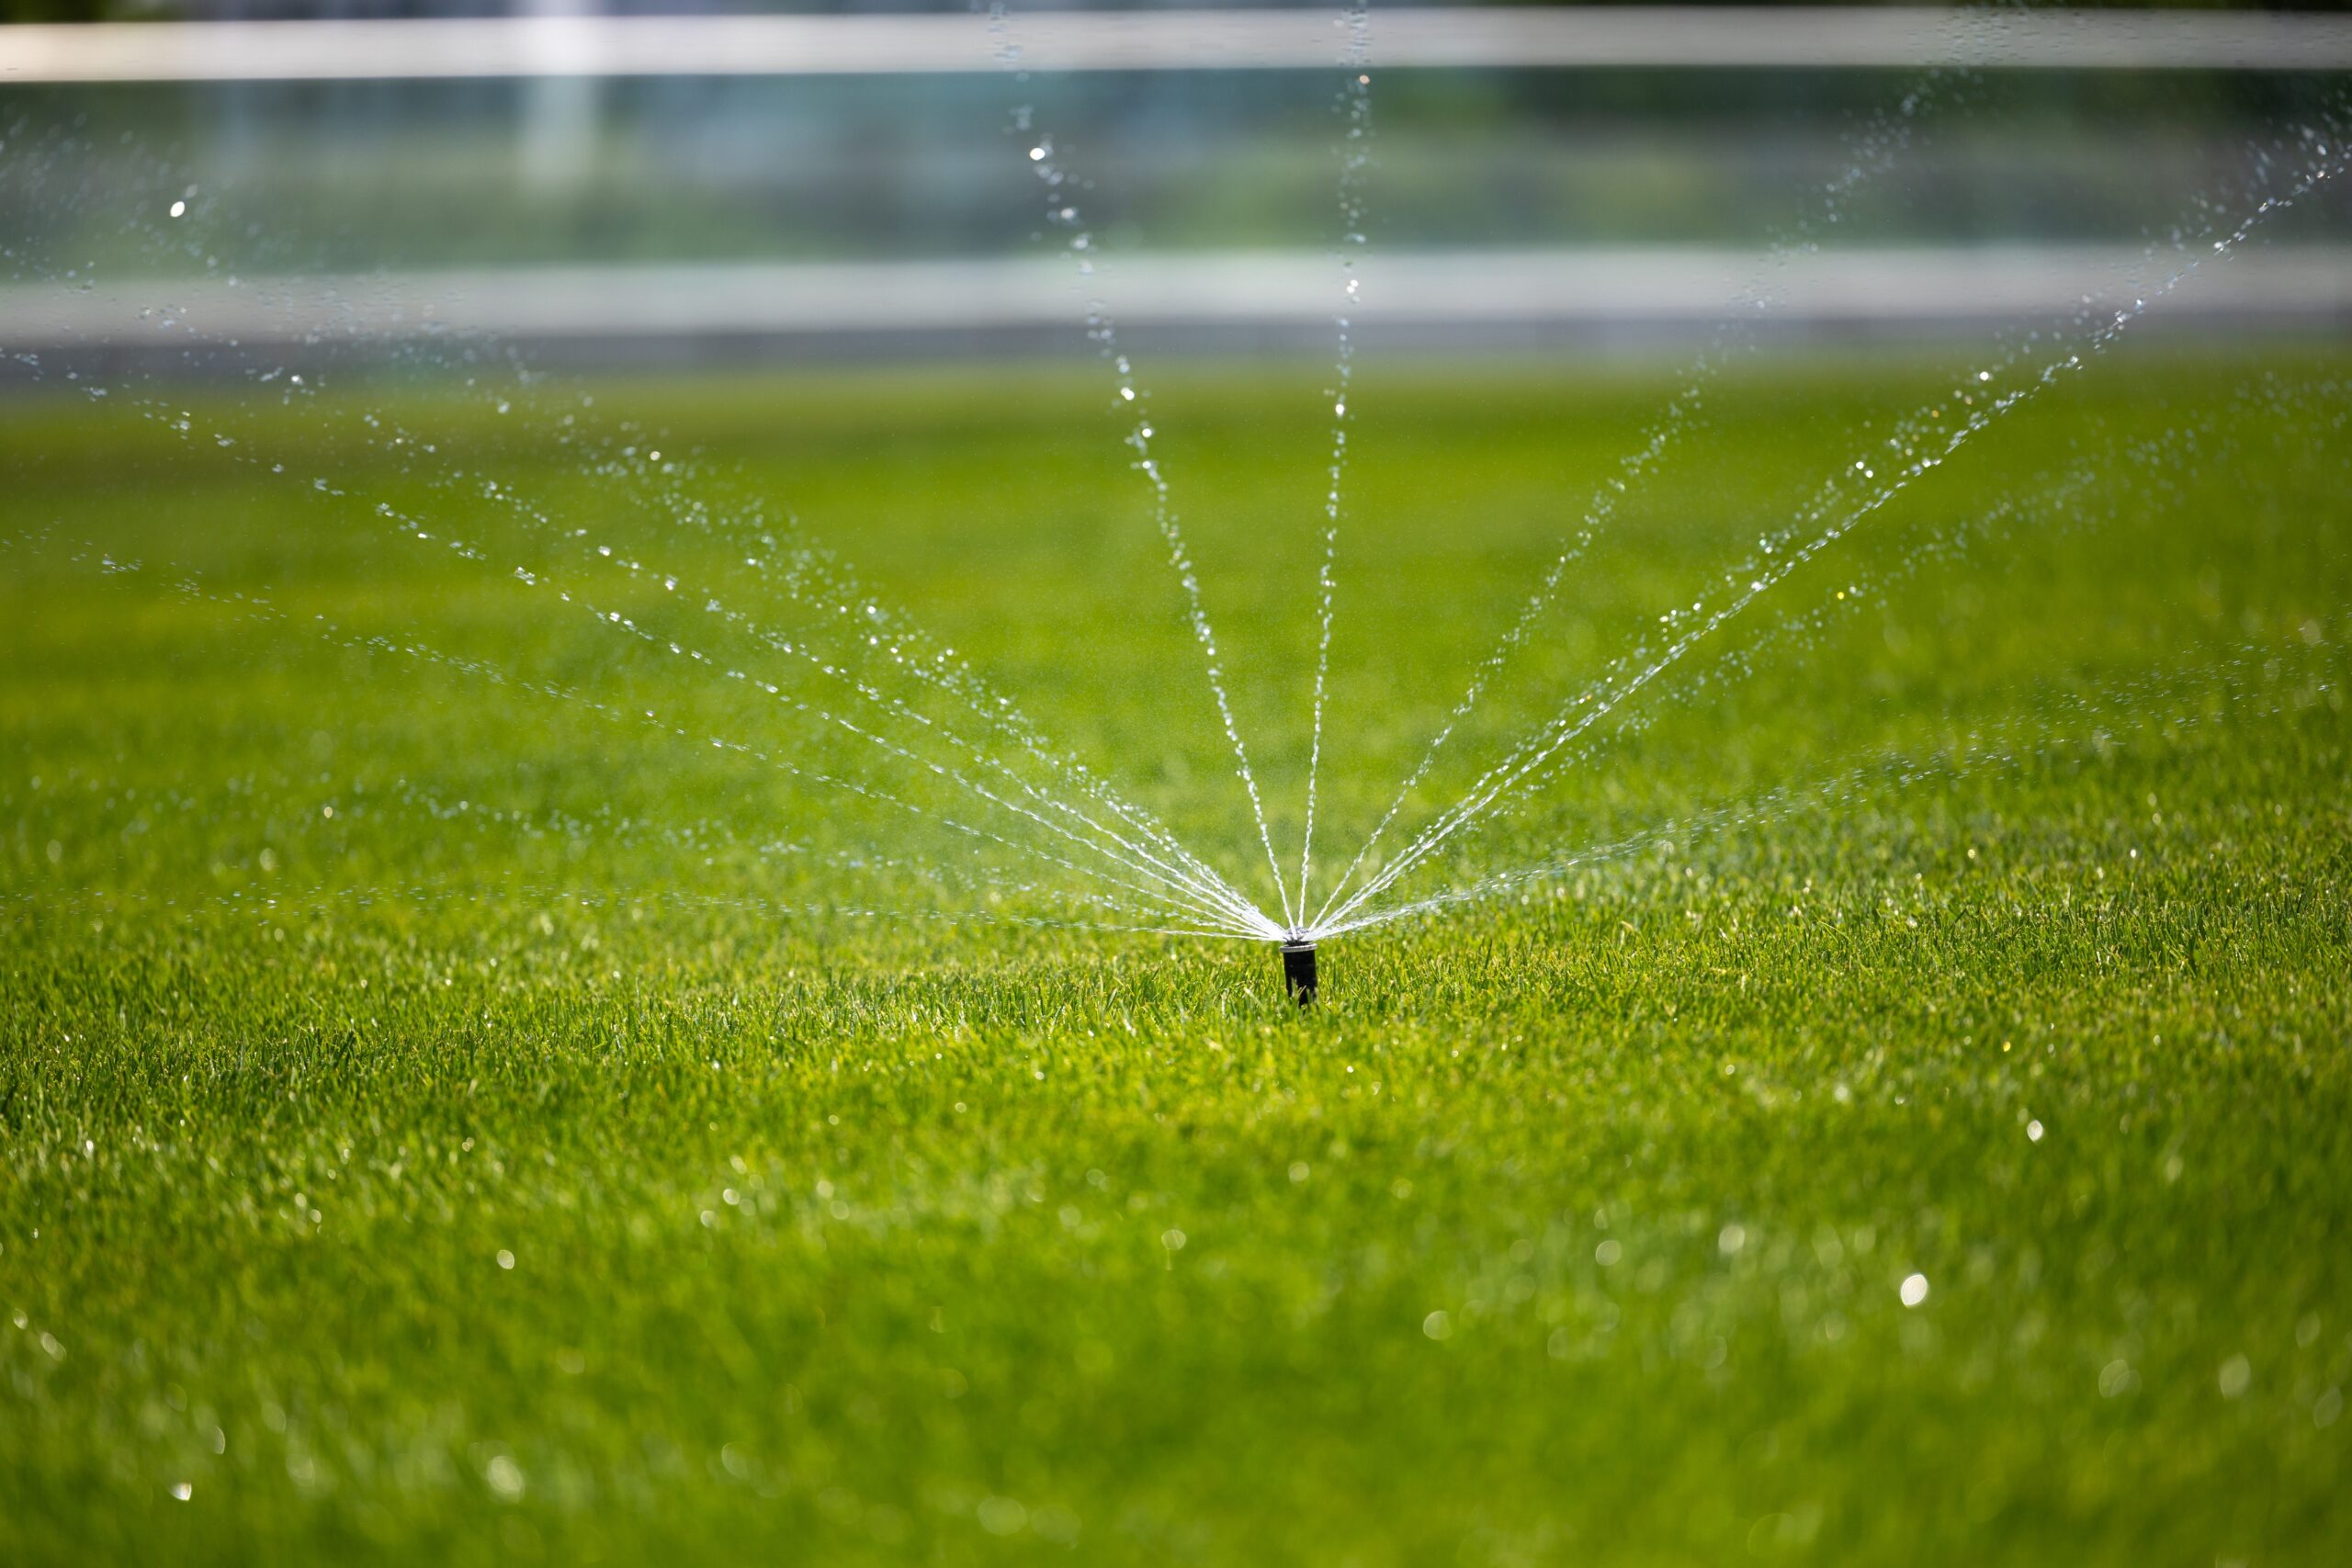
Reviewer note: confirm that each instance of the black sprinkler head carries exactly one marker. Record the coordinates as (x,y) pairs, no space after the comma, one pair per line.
(1298,971)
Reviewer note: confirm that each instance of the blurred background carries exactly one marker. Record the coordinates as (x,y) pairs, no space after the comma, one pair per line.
(205,184)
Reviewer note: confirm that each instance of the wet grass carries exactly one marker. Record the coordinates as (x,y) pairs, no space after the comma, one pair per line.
(441,1121)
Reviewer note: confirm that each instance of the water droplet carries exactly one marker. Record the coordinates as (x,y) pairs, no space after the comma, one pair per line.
(504,1476)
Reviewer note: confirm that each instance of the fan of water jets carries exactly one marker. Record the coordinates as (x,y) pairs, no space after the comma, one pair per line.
(870,712)
(1364,895)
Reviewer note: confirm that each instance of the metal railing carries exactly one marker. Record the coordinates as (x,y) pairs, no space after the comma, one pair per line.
(1654,37)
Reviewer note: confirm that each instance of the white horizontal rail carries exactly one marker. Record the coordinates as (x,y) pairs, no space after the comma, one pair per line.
(1670,287)
(1671,35)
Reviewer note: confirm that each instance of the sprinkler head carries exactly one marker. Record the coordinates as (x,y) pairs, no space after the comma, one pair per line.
(1298,971)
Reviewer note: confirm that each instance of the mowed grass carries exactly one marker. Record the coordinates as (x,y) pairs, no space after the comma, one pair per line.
(442,1120)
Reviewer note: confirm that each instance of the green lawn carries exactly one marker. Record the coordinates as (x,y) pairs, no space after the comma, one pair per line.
(449,1116)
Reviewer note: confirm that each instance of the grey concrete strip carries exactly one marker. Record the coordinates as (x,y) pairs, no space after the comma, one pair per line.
(1684,37)
(1685,289)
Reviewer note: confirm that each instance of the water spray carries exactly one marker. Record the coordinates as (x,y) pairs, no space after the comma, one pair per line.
(1298,968)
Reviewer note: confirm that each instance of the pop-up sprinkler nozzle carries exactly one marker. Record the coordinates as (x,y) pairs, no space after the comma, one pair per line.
(1298,970)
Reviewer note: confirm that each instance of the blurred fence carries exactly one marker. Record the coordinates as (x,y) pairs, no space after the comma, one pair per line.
(1222,301)
(1661,36)
(694,186)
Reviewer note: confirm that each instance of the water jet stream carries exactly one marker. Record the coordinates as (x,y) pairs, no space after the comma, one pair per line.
(1062,211)
(1876,151)
(1355,154)
(1566,725)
